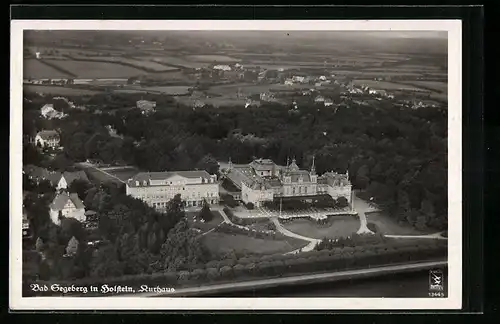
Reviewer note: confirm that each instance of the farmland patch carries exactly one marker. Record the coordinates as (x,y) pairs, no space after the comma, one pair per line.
(58,90)
(35,69)
(87,69)
(212,58)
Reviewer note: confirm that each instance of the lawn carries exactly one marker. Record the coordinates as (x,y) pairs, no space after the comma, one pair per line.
(34,69)
(91,70)
(224,243)
(433,85)
(212,58)
(58,90)
(95,175)
(388,226)
(169,90)
(204,226)
(175,61)
(124,173)
(387,85)
(337,226)
(140,64)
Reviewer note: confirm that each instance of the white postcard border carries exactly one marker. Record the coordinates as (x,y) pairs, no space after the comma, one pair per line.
(454,279)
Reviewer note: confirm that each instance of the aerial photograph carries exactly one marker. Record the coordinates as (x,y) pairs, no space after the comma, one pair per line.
(171,163)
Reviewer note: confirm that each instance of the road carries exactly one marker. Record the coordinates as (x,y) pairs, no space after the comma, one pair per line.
(302,279)
(361,207)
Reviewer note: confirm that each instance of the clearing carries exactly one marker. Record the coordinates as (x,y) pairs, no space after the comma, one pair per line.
(212,58)
(204,227)
(172,60)
(96,70)
(168,90)
(122,173)
(337,226)
(34,69)
(224,243)
(383,85)
(59,90)
(388,226)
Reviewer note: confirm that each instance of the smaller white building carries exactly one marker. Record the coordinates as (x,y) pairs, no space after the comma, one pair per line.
(47,138)
(289,82)
(328,102)
(67,205)
(297,78)
(222,67)
(319,99)
(146,106)
(46,110)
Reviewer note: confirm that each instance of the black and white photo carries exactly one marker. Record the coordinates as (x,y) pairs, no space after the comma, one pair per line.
(157,160)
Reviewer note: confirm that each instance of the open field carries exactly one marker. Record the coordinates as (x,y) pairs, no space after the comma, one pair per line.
(432,85)
(123,173)
(223,243)
(59,90)
(380,73)
(337,226)
(204,226)
(388,226)
(382,85)
(168,90)
(249,88)
(86,69)
(97,176)
(139,64)
(212,58)
(174,61)
(34,69)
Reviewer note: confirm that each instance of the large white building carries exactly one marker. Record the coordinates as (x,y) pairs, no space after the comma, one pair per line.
(263,180)
(158,188)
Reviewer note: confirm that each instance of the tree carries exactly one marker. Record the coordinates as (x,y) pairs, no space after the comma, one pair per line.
(206,213)
(105,263)
(39,246)
(209,164)
(342,202)
(72,246)
(250,206)
(80,187)
(362,179)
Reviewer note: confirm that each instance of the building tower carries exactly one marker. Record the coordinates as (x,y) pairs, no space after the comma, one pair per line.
(313,175)
(230,165)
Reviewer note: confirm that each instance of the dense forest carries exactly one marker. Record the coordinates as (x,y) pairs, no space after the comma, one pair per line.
(394,155)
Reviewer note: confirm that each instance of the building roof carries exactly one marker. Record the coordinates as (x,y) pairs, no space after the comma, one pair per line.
(336,179)
(62,198)
(72,176)
(262,164)
(146,176)
(295,175)
(39,173)
(48,134)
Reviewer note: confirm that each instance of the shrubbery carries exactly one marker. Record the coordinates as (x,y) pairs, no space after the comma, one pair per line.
(244,221)
(276,265)
(231,229)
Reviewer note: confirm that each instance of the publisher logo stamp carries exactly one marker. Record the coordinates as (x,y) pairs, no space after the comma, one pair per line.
(436,280)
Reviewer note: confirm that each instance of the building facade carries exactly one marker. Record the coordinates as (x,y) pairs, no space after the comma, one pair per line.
(263,180)
(157,188)
(146,106)
(47,138)
(67,205)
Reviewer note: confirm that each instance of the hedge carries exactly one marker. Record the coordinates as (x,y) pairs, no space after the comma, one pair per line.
(277,265)
(231,229)
(244,221)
